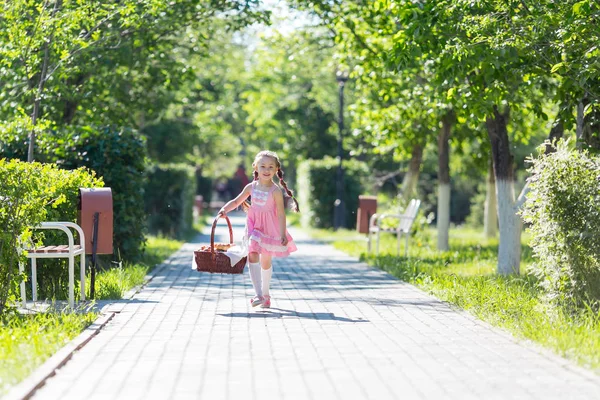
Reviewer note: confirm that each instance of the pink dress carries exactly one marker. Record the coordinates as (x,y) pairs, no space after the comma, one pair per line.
(263,225)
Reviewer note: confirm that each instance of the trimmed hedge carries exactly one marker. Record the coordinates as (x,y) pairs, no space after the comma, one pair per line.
(169,200)
(118,155)
(317,191)
(32,193)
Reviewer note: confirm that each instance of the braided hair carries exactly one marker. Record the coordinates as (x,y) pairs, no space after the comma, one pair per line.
(295,206)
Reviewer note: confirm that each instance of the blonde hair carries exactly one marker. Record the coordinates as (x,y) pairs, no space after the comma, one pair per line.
(274,156)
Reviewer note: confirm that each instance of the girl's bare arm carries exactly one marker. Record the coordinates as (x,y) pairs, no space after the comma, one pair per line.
(235,203)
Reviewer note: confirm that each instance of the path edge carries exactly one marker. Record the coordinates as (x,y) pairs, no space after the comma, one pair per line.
(26,388)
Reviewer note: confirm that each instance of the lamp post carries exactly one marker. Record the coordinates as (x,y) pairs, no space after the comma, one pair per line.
(338,211)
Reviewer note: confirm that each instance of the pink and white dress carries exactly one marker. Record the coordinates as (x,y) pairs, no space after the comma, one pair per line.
(263,225)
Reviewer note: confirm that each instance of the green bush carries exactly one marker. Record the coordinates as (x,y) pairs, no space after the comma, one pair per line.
(169,200)
(117,155)
(317,191)
(204,187)
(32,193)
(563,210)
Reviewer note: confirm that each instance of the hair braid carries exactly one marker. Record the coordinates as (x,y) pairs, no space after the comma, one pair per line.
(295,206)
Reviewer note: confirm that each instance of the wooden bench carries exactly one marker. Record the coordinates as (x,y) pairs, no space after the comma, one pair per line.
(70,251)
(403,226)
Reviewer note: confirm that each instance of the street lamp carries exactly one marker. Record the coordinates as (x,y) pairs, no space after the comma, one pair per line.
(338,211)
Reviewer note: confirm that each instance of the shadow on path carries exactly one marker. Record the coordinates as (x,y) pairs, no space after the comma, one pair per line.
(283,313)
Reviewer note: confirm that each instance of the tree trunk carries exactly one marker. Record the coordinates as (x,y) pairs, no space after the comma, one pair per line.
(443,209)
(509,251)
(579,126)
(38,96)
(490,210)
(409,183)
(556,132)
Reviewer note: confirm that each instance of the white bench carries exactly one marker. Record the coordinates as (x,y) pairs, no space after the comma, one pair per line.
(70,251)
(405,222)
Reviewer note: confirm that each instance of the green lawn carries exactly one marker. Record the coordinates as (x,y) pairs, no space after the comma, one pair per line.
(26,341)
(465,277)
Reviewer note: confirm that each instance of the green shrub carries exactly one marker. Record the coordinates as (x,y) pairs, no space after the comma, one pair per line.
(317,191)
(169,200)
(117,155)
(204,187)
(31,193)
(563,210)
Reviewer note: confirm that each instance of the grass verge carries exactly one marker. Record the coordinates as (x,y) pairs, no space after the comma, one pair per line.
(26,341)
(466,278)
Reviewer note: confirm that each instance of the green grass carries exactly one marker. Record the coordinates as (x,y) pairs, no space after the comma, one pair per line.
(26,341)
(465,277)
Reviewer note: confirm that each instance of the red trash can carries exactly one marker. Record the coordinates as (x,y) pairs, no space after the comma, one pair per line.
(367,206)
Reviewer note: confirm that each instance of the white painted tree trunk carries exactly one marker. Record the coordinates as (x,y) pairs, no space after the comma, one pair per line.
(443,216)
(490,212)
(509,251)
(409,184)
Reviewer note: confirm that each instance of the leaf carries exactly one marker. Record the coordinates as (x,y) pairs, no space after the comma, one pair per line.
(577,7)
(556,67)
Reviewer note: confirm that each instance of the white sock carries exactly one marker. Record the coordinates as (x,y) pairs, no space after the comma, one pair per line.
(254,269)
(266,279)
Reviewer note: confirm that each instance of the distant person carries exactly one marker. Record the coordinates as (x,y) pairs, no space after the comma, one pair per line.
(266,229)
(238,182)
(241,175)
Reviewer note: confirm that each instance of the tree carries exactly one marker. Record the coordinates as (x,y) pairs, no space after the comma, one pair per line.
(64,57)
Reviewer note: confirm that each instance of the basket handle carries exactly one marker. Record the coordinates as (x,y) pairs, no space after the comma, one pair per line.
(212,233)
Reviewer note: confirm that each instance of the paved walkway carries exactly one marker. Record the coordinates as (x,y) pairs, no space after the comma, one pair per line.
(337,330)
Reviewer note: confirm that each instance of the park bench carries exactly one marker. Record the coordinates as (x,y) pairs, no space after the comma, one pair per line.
(95,231)
(70,251)
(402,227)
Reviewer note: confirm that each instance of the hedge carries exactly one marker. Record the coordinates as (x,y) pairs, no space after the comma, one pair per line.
(317,191)
(169,199)
(118,155)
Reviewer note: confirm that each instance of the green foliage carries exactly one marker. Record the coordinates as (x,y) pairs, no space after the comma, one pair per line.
(169,200)
(563,210)
(317,190)
(290,97)
(32,193)
(204,187)
(105,62)
(117,155)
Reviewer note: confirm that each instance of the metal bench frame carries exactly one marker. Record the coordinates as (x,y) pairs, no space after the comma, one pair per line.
(405,222)
(69,251)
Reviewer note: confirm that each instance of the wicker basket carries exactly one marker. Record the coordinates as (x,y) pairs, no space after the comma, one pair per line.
(214,261)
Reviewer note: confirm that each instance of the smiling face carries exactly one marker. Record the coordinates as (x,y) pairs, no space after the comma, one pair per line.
(266,167)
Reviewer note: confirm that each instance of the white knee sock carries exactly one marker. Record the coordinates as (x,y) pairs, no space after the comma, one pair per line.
(266,280)
(254,269)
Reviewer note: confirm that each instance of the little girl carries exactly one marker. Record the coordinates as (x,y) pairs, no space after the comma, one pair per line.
(265,224)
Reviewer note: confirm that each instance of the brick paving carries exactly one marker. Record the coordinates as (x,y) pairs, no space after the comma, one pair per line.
(338,329)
